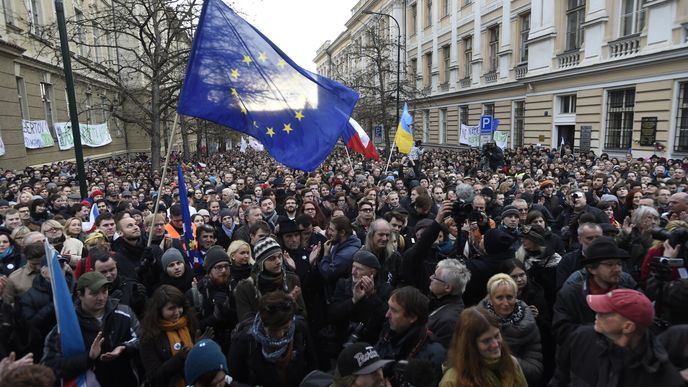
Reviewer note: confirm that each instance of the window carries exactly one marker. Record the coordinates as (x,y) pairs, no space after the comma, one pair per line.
(445,64)
(493,48)
(33,9)
(413,71)
(525,30)
(413,18)
(632,17)
(463,115)
(89,107)
(23,102)
(443,126)
(428,13)
(426,124)
(488,109)
(519,122)
(80,33)
(47,98)
(620,105)
(681,143)
(103,108)
(96,42)
(567,104)
(444,8)
(8,9)
(467,56)
(575,17)
(427,75)
(109,50)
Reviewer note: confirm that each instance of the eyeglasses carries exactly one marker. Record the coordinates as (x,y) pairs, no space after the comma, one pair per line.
(434,278)
(53,230)
(221,267)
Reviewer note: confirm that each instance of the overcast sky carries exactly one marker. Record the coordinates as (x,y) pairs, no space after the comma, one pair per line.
(298,27)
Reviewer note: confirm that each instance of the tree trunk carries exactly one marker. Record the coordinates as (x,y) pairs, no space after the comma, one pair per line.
(199,140)
(185,139)
(155,128)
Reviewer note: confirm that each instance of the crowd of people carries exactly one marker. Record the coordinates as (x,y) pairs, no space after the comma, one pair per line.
(527,267)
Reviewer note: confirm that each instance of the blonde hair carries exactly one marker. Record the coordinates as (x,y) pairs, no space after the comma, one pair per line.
(235,246)
(498,280)
(66,226)
(19,233)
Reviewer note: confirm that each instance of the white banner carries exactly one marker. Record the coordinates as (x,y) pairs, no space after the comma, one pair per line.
(2,147)
(469,135)
(501,139)
(91,135)
(37,134)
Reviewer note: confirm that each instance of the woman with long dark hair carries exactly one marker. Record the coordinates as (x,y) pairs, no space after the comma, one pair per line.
(167,335)
(478,357)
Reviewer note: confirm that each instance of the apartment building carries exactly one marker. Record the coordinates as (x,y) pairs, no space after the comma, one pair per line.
(605,75)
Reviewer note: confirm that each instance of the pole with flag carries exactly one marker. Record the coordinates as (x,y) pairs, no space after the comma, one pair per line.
(71,339)
(189,240)
(403,139)
(238,78)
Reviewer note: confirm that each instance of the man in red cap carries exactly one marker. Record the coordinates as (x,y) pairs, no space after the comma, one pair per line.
(619,350)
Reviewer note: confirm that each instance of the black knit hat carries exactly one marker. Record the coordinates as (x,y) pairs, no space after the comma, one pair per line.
(497,241)
(215,255)
(534,233)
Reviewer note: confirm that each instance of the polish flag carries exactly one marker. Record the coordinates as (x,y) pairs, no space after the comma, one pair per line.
(356,139)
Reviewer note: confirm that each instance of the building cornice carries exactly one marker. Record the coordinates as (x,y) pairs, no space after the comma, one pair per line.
(11,48)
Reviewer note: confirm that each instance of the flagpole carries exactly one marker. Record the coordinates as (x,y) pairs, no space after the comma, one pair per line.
(162,179)
(390,154)
(349,157)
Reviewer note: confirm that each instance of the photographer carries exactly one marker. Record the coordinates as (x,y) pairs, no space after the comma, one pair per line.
(492,156)
(671,293)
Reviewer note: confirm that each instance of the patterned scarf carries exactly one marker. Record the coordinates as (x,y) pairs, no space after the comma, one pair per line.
(272,349)
(514,318)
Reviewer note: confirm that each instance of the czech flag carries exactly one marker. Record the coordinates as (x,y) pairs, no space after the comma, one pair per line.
(91,224)
(356,139)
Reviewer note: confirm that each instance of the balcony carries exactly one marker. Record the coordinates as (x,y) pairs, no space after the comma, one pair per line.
(490,77)
(521,70)
(466,82)
(568,59)
(625,46)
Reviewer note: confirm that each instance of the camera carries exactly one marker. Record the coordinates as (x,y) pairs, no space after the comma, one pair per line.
(678,236)
(461,211)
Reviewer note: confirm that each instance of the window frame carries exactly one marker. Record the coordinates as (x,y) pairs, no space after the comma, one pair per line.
(619,119)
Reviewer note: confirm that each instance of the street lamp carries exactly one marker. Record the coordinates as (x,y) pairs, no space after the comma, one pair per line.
(398,53)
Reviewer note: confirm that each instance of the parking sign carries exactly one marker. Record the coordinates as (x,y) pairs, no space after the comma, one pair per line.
(485,124)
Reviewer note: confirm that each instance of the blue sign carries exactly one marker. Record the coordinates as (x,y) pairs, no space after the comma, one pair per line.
(377,134)
(486,124)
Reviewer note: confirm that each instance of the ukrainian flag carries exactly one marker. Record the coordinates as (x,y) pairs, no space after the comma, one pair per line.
(404,136)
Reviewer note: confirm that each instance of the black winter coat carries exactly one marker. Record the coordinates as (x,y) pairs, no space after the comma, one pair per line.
(590,359)
(444,312)
(419,261)
(120,327)
(416,343)
(369,310)
(571,310)
(248,366)
(162,368)
(482,268)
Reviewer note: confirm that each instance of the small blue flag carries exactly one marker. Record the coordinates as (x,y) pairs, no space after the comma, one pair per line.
(189,240)
(238,78)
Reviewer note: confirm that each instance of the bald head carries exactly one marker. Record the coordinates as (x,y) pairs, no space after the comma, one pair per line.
(678,202)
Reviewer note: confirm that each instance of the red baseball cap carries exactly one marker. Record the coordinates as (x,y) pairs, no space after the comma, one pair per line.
(629,303)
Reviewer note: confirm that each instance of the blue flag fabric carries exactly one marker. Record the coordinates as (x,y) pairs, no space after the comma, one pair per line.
(189,240)
(238,78)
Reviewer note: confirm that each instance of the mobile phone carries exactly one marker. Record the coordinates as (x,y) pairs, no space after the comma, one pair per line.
(671,262)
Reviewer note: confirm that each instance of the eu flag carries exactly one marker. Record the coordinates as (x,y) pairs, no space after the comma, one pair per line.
(189,229)
(238,78)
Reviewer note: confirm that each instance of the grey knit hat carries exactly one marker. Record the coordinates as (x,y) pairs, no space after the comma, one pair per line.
(171,255)
(213,256)
(265,248)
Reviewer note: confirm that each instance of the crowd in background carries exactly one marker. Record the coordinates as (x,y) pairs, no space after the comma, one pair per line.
(477,267)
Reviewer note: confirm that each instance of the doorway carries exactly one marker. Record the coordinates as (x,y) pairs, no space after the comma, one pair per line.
(567,133)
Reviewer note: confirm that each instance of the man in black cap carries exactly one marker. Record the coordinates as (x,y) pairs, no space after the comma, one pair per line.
(360,365)
(111,334)
(602,273)
(359,302)
(497,246)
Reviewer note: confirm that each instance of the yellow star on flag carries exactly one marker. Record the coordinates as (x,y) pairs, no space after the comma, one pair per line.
(243,109)
(298,115)
(281,63)
(287,128)
(247,59)
(235,73)
(270,132)
(235,92)
(262,57)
